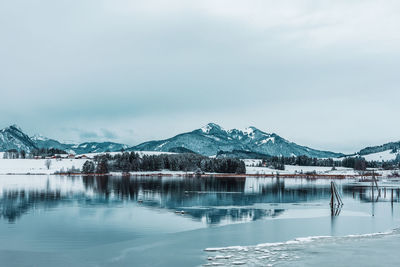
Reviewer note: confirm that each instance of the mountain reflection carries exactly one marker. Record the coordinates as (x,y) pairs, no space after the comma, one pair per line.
(214,200)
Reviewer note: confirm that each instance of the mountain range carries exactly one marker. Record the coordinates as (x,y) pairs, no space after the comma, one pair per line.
(13,137)
(210,140)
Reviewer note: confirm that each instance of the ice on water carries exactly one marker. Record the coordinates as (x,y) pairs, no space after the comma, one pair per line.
(291,252)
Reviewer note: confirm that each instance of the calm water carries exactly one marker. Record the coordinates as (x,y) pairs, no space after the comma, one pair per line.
(165,221)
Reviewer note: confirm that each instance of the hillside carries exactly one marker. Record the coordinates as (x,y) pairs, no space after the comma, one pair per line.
(12,137)
(385,152)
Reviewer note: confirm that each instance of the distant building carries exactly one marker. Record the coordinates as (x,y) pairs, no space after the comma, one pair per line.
(61,156)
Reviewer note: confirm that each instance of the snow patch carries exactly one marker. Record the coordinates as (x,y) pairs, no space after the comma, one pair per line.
(39,137)
(269,139)
(206,129)
(163,144)
(381,156)
(248,131)
(37,166)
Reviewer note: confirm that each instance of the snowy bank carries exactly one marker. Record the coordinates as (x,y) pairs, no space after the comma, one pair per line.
(38,166)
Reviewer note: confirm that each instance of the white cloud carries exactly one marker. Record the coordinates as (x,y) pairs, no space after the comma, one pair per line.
(130,65)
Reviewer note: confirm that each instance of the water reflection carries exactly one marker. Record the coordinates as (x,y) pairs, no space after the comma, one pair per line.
(213,200)
(369,194)
(14,204)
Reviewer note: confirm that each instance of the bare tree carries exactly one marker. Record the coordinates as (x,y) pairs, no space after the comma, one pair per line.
(47,163)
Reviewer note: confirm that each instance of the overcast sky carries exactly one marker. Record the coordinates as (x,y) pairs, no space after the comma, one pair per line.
(320,73)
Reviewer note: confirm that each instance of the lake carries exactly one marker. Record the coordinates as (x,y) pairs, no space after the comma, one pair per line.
(179,221)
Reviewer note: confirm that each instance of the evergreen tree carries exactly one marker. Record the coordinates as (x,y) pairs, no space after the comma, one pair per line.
(88,167)
(102,166)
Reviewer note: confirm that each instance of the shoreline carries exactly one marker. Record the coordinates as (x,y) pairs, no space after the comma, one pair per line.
(74,167)
(216,175)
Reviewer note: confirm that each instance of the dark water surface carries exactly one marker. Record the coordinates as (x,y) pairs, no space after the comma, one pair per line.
(170,221)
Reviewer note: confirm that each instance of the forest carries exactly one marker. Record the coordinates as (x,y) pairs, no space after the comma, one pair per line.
(357,163)
(127,162)
(40,152)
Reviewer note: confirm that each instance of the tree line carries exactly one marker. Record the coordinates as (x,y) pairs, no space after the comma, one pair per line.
(188,162)
(40,152)
(357,163)
(279,162)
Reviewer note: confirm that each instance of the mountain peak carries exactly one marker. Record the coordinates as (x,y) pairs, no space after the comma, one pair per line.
(12,137)
(211,126)
(13,127)
(249,130)
(253,128)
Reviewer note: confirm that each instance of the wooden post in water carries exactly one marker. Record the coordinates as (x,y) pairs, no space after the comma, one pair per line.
(331,193)
(335,197)
(338,198)
(392,196)
(332,200)
(372,191)
(376,183)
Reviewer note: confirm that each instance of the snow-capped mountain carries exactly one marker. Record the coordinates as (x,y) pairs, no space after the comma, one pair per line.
(44,142)
(12,137)
(211,139)
(87,147)
(96,147)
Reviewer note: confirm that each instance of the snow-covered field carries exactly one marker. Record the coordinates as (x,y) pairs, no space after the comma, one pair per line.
(37,166)
(384,155)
